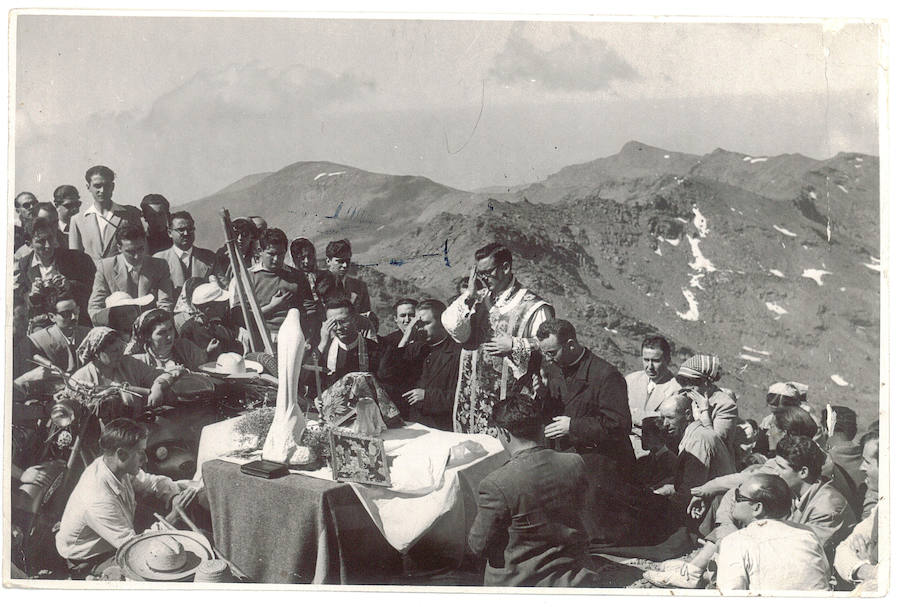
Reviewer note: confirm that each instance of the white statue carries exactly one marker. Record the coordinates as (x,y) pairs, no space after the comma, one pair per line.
(283,441)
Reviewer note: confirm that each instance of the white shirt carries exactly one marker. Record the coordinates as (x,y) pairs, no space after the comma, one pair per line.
(846,561)
(99,516)
(184,256)
(336,344)
(104,220)
(132,269)
(46,271)
(771,555)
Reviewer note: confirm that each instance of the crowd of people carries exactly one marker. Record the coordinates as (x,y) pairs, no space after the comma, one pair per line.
(655,463)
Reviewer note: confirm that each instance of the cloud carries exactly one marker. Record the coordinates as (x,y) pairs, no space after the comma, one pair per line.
(580,64)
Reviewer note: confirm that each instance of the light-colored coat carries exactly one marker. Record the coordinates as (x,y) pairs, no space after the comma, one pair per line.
(85,232)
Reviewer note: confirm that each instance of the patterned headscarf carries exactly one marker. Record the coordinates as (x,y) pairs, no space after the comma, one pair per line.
(92,343)
(701,366)
(143,327)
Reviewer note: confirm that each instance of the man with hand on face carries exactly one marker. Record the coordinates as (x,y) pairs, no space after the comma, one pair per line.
(768,552)
(337,258)
(342,349)
(95,228)
(99,516)
(401,364)
(184,259)
(430,402)
(496,321)
(132,271)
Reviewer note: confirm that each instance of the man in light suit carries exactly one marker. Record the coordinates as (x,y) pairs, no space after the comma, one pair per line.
(184,259)
(93,230)
(337,258)
(132,271)
(649,387)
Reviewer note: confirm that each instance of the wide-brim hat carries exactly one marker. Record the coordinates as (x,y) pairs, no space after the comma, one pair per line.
(151,556)
(117,300)
(213,571)
(208,293)
(233,365)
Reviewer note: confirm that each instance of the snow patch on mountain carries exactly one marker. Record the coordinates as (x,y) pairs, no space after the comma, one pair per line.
(815,275)
(839,380)
(777,273)
(700,263)
(693,313)
(774,307)
(783,230)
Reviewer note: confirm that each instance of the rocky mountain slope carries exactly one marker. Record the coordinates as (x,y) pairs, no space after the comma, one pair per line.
(771,263)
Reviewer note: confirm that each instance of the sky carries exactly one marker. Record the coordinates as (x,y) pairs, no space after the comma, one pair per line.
(183,106)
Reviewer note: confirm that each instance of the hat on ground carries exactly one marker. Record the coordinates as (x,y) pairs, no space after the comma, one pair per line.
(119,299)
(233,365)
(208,293)
(163,556)
(213,571)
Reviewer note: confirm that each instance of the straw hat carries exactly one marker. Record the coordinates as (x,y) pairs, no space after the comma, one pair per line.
(163,556)
(213,571)
(208,293)
(233,365)
(116,300)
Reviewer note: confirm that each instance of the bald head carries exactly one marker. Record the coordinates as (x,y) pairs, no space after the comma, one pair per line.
(676,414)
(770,492)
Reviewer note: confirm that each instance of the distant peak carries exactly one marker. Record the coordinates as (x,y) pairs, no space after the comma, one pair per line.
(633,147)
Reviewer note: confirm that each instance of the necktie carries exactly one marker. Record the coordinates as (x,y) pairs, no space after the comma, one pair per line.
(132,283)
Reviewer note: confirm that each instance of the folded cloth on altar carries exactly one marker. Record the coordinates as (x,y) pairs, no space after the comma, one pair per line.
(423,486)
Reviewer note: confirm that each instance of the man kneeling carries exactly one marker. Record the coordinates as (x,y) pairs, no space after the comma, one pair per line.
(99,516)
(528,524)
(770,553)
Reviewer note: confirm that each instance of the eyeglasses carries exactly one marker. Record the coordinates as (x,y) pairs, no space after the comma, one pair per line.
(487,273)
(26,205)
(738,498)
(188,230)
(68,314)
(70,204)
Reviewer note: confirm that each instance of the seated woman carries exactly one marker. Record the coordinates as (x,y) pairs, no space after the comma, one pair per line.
(154,343)
(102,354)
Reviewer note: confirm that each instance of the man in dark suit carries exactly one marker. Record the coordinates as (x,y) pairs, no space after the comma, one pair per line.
(587,399)
(132,271)
(155,211)
(184,259)
(399,372)
(431,400)
(94,229)
(528,525)
(337,258)
(342,348)
(24,203)
(67,201)
(45,259)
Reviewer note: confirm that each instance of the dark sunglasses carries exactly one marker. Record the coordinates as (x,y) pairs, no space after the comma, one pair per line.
(486,273)
(69,314)
(738,498)
(26,205)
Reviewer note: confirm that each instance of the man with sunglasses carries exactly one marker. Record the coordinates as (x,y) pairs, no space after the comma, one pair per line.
(67,202)
(58,341)
(24,203)
(496,319)
(769,552)
(184,259)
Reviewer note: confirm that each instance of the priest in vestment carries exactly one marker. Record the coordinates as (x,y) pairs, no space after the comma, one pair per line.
(496,320)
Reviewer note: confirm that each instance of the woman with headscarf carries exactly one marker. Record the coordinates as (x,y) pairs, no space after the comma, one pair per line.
(714,407)
(154,343)
(102,354)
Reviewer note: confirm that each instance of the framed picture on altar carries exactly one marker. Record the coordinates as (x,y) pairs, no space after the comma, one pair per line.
(358,459)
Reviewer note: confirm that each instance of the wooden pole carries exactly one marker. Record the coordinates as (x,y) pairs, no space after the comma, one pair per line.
(254,305)
(234,255)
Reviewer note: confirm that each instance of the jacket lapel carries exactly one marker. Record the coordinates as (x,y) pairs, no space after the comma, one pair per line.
(121,274)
